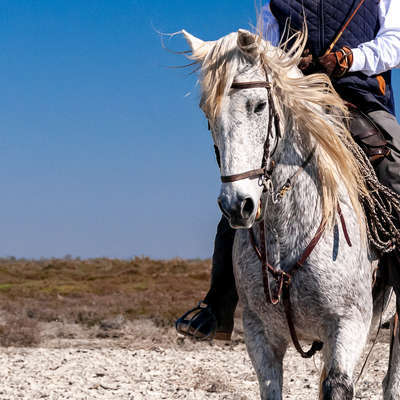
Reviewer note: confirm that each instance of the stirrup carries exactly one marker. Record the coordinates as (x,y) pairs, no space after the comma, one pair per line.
(199,323)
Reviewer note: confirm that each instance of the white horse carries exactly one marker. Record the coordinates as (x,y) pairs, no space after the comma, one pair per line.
(284,162)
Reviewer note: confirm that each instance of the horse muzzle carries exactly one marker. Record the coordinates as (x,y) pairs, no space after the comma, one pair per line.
(240,211)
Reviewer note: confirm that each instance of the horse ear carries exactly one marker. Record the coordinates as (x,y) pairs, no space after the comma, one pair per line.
(247,43)
(199,47)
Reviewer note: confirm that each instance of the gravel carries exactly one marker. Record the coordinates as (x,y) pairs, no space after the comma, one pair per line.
(145,362)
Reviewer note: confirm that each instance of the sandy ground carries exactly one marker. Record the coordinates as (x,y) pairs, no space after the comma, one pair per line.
(142,362)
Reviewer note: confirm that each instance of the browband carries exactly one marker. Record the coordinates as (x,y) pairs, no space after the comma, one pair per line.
(250,85)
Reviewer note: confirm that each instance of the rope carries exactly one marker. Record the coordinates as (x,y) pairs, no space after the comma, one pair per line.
(381,207)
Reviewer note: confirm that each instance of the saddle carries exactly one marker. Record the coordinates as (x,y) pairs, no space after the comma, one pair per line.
(368,136)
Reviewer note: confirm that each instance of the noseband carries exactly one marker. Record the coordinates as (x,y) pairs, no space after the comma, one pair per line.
(264,172)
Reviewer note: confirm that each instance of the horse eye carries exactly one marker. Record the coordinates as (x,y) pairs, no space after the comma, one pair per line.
(260,107)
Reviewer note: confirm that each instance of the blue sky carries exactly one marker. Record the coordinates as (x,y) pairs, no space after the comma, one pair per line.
(102,152)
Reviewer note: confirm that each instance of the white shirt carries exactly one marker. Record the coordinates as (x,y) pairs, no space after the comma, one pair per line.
(371,58)
(382,53)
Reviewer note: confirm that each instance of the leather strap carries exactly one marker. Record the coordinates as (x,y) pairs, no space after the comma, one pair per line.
(339,35)
(346,234)
(250,85)
(237,177)
(316,345)
(311,246)
(283,279)
(273,119)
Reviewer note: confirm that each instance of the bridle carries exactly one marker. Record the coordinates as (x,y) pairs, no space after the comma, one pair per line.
(267,165)
(282,279)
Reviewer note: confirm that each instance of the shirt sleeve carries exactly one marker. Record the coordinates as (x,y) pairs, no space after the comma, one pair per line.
(382,53)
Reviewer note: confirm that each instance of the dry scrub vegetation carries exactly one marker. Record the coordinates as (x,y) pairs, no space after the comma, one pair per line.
(102,328)
(97,292)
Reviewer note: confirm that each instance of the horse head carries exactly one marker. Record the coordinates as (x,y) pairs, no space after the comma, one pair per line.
(258,105)
(239,118)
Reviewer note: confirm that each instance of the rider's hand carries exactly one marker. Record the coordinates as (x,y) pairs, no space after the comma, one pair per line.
(336,64)
(307,62)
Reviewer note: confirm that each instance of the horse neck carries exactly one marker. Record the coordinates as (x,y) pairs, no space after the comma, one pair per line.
(292,222)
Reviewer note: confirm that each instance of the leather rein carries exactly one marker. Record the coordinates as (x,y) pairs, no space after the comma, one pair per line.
(282,279)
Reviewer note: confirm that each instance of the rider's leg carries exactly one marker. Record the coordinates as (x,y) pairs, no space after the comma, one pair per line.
(388,172)
(222,298)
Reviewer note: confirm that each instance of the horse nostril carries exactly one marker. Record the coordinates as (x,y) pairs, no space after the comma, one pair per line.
(247,207)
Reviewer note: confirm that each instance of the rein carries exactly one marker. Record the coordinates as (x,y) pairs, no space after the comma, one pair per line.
(282,279)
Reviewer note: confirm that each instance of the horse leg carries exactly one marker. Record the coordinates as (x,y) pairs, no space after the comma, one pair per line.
(391,383)
(341,355)
(266,356)
(337,386)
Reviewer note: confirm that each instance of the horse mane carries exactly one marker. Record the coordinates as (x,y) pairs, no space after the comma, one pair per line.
(311,101)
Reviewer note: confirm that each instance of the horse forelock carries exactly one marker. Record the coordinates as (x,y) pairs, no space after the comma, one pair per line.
(218,71)
(311,101)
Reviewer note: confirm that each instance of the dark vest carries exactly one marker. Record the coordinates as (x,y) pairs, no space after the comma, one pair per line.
(324,20)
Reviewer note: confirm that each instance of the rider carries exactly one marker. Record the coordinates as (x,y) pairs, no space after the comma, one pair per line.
(359,66)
